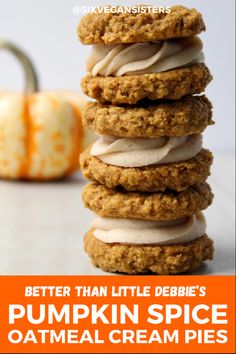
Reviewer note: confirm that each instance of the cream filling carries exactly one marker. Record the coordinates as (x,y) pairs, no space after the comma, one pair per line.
(131,231)
(142,58)
(140,152)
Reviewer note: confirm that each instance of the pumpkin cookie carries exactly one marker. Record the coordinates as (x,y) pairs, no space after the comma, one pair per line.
(136,259)
(130,89)
(167,205)
(176,176)
(114,28)
(191,115)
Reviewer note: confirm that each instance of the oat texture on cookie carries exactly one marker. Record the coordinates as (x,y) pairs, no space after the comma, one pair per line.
(148,168)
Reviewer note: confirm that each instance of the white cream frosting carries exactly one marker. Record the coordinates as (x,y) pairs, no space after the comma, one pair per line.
(131,231)
(140,152)
(142,58)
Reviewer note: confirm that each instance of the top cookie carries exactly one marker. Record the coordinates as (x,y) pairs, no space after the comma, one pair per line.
(114,28)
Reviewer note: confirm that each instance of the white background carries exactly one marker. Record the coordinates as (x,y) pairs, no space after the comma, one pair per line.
(46,29)
(42,225)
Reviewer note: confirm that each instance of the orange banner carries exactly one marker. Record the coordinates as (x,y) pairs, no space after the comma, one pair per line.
(117,314)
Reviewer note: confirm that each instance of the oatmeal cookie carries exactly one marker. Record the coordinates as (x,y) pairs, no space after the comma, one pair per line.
(190,115)
(114,28)
(168,205)
(138,259)
(130,89)
(176,176)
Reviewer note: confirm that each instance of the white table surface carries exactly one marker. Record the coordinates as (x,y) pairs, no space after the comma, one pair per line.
(42,225)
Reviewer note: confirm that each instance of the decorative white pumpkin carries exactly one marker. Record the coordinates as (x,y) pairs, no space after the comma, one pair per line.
(41,133)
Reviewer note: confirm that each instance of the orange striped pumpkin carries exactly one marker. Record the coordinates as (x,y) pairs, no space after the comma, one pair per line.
(41,134)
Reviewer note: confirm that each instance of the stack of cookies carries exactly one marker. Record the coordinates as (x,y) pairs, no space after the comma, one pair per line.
(148,168)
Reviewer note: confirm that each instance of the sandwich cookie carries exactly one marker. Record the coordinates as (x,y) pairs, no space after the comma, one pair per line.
(141,246)
(128,73)
(149,173)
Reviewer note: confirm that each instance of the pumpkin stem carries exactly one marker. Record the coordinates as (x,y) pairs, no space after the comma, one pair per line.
(31,80)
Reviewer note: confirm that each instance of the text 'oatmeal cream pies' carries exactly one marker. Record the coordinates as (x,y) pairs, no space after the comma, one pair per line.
(148,168)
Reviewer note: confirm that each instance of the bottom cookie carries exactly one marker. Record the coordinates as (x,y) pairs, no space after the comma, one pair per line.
(162,260)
